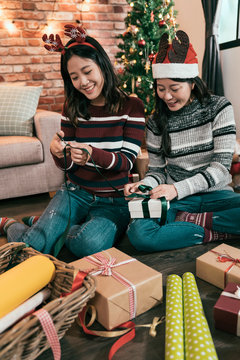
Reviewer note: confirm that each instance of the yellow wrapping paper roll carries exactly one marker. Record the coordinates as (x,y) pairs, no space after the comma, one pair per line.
(198,340)
(24,280)
(174,341)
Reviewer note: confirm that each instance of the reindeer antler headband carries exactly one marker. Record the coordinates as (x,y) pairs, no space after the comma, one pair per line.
(76,33)
(176,60)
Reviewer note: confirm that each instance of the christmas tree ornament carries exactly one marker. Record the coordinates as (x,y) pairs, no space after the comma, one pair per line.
(151,57)
(131,50)
(147,66)
(162,23)
(152,16)
(140,53)
(141,43)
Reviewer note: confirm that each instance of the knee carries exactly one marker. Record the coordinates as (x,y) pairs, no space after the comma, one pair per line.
(83,242)
(137,236)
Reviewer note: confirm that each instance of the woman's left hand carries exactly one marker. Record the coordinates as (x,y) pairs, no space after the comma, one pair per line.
(78,155)
(169,191)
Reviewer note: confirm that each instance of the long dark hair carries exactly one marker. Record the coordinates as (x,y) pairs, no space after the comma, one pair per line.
(161,112)
(76,104)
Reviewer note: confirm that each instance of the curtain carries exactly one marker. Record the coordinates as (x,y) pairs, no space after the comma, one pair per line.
(211,67)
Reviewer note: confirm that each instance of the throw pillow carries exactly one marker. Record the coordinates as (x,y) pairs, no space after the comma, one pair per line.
(18,105)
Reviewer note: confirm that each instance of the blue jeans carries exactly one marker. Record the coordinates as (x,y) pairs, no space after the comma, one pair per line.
(148,235)
(95,222)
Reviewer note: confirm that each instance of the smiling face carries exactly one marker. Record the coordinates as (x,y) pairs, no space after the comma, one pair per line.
(175,94)
(87,78)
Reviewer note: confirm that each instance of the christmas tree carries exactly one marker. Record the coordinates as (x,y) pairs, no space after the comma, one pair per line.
(147,21)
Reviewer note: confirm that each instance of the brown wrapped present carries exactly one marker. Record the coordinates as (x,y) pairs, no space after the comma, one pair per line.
(227,310)
(125,287)
(219,266)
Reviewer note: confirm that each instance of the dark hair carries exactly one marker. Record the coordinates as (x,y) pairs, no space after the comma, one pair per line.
(76,104)
(161,112)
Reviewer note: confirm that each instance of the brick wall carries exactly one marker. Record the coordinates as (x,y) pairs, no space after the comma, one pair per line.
(24,60)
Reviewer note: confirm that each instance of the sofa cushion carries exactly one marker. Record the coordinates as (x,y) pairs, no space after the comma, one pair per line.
(20,150)
(18,105)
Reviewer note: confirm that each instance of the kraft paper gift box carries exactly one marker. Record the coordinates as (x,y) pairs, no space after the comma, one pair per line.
(219,266)
(132,289)
(147,208)
(227,310)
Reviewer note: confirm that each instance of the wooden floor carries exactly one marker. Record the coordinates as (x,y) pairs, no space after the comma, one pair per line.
(76,345)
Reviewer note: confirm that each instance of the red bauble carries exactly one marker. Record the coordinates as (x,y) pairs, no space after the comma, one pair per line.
(141,43)
(151,57)
(127,34)
(162,23)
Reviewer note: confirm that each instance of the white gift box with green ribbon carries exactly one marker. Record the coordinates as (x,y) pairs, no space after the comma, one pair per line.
(148,208)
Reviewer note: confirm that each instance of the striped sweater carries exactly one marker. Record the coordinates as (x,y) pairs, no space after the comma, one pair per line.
(202,145)
(115,141)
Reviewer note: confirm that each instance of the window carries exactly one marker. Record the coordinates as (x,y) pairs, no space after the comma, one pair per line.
(229,34)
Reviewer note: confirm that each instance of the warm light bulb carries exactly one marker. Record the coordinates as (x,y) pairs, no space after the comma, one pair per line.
(9,25)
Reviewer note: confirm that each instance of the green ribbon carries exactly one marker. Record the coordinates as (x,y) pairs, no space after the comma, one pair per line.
(145,201)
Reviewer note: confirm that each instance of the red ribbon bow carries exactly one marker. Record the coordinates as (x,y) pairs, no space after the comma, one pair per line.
(225,258)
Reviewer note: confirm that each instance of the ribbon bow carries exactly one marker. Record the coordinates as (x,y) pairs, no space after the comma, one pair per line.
(105,267)
(224,258)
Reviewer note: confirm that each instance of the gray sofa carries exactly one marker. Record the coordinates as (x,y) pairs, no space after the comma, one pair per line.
(26,165)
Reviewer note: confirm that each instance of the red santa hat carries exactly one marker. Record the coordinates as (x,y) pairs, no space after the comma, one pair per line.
(175,60)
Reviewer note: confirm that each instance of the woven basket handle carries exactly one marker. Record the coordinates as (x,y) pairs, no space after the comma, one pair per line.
(50,332)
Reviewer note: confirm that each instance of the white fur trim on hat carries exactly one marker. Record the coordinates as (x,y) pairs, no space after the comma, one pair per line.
(174,70)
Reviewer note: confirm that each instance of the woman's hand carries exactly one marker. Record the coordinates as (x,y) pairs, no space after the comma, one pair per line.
(169,191)
(57,145)
(79,156)
(132,188)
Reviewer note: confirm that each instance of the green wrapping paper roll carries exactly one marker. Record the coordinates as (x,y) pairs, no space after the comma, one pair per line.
(174,342)
(198,340)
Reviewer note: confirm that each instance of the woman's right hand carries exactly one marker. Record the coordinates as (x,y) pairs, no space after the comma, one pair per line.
(57,146)
(132,188)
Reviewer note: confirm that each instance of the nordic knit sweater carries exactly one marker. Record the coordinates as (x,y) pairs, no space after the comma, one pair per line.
(202,145)
(115,141)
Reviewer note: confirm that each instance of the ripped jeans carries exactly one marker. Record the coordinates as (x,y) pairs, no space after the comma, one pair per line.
(148,235)
(95,222)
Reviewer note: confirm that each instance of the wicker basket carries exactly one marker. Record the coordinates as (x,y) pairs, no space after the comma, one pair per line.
(26,339)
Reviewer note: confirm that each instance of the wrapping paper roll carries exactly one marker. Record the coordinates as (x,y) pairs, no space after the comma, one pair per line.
(198,340)
(23,309)
(174,340)
(24,280)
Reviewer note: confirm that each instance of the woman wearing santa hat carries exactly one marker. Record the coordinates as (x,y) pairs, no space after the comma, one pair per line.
(190,141)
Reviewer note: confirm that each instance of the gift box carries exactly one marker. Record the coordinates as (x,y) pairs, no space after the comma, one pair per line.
(227,310)
(219,266)
(147,208)
(125,287)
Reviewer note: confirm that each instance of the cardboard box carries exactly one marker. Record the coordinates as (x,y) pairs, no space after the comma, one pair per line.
(145,208)
(227,310)
(216,266)
(112,297)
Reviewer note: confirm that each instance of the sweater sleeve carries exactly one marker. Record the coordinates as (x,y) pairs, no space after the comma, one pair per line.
(216,173)
(156,174)
(133,133)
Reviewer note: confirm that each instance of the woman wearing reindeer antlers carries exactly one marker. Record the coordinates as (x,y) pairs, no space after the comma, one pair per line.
(190,140)
(101,133)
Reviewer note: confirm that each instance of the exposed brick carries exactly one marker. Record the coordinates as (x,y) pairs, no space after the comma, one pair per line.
(38,76)
(22,54)
(28,6)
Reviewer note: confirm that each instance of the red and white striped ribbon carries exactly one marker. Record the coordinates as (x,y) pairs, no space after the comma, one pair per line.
(105,267)
(50,332)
